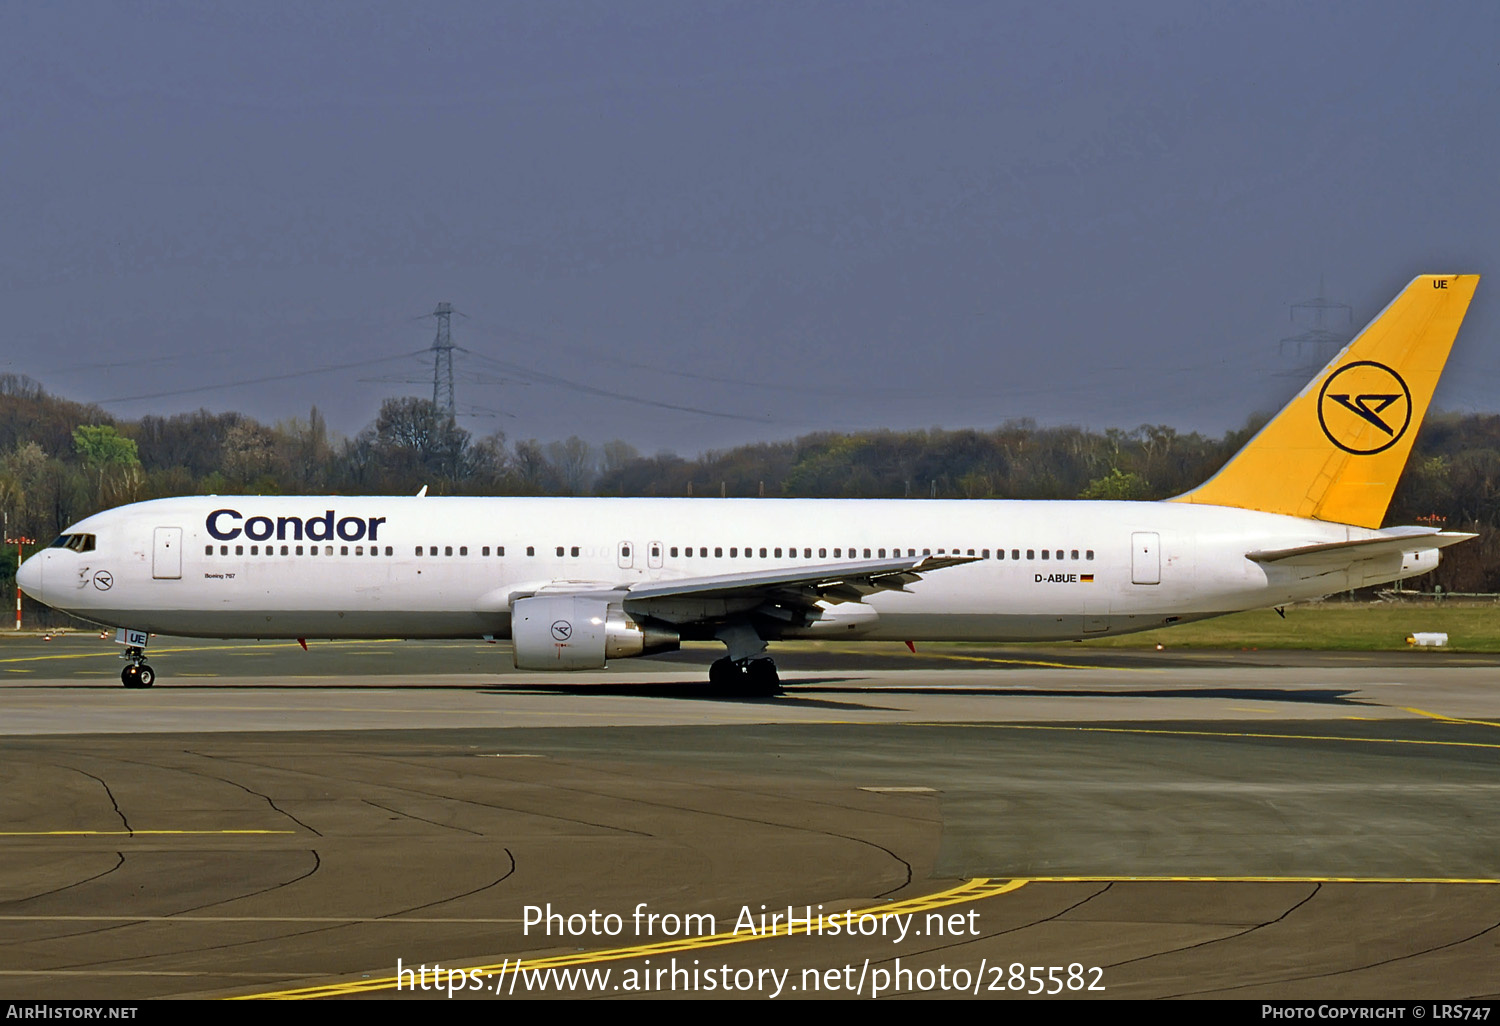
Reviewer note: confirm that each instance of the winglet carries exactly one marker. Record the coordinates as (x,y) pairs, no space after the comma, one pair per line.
(1336,451)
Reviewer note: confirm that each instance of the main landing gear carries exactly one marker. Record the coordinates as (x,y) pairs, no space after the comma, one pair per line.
(756,676)
(746,669)
(136,673)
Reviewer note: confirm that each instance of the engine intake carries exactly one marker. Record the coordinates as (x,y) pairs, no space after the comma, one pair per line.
(574,632)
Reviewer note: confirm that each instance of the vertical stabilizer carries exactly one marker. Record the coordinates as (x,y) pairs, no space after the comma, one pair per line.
(1336,451)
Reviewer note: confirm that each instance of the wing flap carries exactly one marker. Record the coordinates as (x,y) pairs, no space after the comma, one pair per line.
(831,582)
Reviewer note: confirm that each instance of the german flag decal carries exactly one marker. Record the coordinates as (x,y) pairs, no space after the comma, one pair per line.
(1086,578)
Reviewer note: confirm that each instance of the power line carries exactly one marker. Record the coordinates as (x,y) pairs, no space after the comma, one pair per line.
(255,381)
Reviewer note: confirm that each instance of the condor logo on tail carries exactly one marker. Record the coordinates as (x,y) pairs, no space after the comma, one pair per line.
(1359,396)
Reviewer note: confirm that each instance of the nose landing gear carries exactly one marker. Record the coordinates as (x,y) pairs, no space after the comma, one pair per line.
(137,674)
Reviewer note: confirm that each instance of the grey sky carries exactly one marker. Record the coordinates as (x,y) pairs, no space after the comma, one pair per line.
(795,216)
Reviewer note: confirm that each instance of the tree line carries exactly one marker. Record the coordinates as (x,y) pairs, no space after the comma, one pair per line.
(61,460)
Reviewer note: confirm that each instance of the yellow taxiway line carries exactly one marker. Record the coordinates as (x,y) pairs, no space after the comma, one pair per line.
(133,833)
(1212,733)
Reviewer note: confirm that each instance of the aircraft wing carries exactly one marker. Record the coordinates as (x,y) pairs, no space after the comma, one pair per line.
(805,585)
(794,595)
(1346,552)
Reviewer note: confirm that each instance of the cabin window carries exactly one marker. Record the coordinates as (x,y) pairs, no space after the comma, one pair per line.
(984,555)
(1074,554)
(432,550)
(463,550)
(1045,553)
(574,550)
(283,550)
(1015,553)
(559,550)
(419,550)
(1089,554)
(485,551)
(734,552)
(299,550)
(531,550)
(388,550)
(1031,553)
(223,550)
(208,550)
(718,552)
(343,550)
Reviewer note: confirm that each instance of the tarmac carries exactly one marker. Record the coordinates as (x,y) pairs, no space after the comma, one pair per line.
(964,821)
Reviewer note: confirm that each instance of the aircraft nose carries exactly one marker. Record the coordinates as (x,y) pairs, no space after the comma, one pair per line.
(29,576)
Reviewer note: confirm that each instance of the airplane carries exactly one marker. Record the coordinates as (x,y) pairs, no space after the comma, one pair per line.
(575,582)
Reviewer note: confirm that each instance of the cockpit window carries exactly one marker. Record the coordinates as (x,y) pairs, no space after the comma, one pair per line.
(76,542)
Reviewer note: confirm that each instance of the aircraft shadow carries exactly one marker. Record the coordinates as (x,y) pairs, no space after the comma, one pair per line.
(1304,696)
(691,691)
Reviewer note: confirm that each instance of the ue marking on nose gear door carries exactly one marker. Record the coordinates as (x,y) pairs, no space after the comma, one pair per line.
(562,630)
(1367,394)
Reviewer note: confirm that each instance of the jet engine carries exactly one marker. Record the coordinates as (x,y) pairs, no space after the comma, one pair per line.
(580,632)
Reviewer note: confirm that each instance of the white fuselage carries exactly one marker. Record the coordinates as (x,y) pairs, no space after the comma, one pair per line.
(262,568)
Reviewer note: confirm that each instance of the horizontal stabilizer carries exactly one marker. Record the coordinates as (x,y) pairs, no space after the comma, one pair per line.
(1344,552)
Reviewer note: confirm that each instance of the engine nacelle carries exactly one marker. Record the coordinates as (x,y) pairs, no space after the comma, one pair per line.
(580,632)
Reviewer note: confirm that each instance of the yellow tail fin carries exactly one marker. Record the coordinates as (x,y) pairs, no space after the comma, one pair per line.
(1336,451)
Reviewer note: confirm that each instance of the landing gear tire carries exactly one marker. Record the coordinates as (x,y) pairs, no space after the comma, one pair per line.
(138,675)
(761,676)
(724,673)
(753,676)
